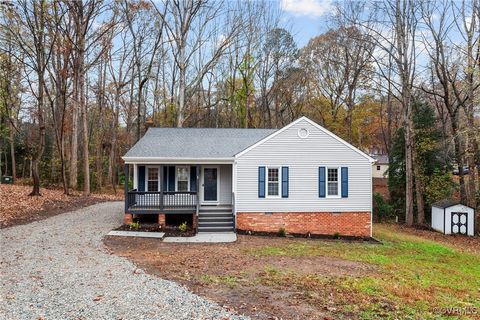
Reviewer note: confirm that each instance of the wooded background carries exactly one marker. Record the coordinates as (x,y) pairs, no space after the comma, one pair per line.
(80,80)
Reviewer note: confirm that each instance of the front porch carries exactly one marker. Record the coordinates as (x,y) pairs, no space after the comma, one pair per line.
(201,190)
(167,202)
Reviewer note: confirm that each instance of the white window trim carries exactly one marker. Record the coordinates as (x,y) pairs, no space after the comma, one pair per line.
(279,181)
(147,168)
(339,182)
(176,177)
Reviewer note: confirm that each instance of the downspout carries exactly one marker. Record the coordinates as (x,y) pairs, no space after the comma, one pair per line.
(234,199)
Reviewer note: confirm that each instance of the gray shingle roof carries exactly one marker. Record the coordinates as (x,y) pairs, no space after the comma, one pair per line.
(196,142)
(381,158)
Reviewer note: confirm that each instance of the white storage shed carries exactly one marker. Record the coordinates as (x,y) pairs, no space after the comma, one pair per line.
(450,217)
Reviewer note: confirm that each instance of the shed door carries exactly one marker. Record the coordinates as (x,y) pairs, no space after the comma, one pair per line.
(459,222)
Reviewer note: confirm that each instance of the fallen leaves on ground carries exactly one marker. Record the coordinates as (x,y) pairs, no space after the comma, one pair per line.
(17,205)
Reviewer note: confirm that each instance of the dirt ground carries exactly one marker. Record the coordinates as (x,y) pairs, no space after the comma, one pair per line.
(17,207)
(243,282)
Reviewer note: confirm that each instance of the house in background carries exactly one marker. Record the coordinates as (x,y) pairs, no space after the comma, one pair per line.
(302,178)
(380,174)
(380,167)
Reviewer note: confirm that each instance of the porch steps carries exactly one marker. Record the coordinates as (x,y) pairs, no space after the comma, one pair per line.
(215,219)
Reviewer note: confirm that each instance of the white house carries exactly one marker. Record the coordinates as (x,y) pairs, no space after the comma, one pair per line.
(380,167)
(302,178)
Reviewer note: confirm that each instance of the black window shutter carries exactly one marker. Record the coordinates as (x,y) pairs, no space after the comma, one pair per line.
(141,178)
(171,178)
(193,179)
(284,182)
(344,182)
(261,182)
(321,182)
(165,179)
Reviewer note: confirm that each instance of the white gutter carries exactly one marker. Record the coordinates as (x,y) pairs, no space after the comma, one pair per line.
(161,160)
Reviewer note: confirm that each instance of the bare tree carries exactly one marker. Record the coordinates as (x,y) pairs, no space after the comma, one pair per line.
(187,38)
(392,26)
(453,86)
(30,33)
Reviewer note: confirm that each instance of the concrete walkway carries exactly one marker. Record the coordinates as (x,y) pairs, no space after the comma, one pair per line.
(205,238)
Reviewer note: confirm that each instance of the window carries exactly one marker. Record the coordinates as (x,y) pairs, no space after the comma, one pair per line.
(332,182)
(378,168)
(273,182)
(152,179)
(183,179)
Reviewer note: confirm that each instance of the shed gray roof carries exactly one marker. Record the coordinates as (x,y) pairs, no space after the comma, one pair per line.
(445,203)
(196,142)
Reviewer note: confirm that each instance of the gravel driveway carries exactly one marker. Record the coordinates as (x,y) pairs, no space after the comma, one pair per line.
(58,269)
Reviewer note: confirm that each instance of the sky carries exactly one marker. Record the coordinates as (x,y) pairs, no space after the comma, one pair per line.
(306,18)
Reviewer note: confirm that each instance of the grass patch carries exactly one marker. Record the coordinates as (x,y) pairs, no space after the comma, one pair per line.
(229,281)
(414,275)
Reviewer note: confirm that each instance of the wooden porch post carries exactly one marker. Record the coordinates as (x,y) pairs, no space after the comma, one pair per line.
(198,188)
(126,186)
(160,175)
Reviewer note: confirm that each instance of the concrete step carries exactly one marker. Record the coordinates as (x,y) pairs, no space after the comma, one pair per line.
(215,209)
(215,219)
(202,225)
(215,215)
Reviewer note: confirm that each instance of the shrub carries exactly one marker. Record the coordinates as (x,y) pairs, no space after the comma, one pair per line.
(382,210)
(183,227)
(282,232)
(336,235)
(440,186)
(134,225)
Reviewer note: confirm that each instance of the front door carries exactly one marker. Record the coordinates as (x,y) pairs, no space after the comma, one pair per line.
(210,184)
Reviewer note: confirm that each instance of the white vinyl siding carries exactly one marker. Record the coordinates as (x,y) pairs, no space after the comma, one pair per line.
(438,218)
(225,184)
(303,156)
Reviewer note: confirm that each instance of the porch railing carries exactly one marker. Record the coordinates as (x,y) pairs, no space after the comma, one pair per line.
(163,201)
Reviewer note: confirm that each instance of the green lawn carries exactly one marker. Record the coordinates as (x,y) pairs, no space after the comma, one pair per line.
(413,276)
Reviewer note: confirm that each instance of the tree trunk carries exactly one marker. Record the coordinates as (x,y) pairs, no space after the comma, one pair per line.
(419,189)
(40,68)
(73,173)
(408,169)
(12,153)
(86,165)
(459,157)
(181,88)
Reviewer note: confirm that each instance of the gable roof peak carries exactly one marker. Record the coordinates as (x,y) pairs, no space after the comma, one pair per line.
(310,121)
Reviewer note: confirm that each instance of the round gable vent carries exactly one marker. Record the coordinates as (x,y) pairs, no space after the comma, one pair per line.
(303,133)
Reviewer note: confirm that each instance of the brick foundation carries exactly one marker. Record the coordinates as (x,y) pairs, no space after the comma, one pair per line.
(161,219)
(128,218)
(345,223)
(194,222)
